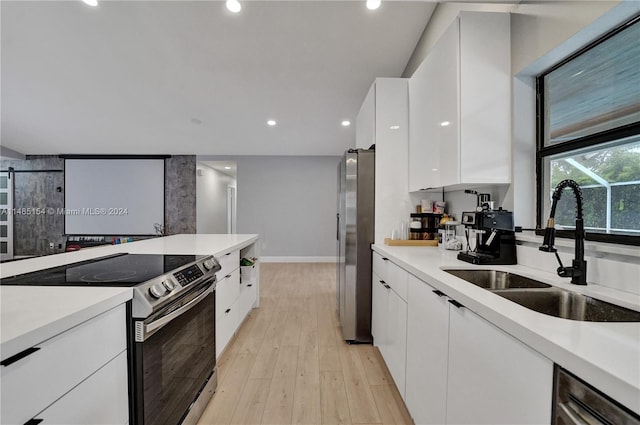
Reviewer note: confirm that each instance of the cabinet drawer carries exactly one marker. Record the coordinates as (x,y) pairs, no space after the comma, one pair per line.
(100,399)
(229,262)
(247,299)
(227,291)
(226,324)
(379,266)
(62,362)
(397,278)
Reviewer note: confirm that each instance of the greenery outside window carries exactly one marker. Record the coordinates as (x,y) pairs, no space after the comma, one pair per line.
(589,131)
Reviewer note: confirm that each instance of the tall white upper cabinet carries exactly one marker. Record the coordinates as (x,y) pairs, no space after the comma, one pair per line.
(460,106)
(383,120)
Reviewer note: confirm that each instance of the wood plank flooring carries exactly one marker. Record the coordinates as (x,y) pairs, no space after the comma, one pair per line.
(288,363)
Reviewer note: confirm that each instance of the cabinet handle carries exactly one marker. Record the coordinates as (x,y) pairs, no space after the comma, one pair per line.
(227,276)
(456,303)
(439,293)
(385,258)
(21,355)
(249,285)
(227,311)
(385,285)
(33,421)
(228,253)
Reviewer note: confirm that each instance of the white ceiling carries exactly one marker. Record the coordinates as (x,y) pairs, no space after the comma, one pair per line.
(189,77)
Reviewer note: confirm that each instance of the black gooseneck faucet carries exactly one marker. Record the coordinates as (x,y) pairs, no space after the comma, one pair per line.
(578,270)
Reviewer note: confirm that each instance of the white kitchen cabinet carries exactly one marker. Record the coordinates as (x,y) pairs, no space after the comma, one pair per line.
(100,399)
(460,103)
(461,369)
(383,120)
(41,379)
(427,353)
(492,377)
(389,324)
(235,297)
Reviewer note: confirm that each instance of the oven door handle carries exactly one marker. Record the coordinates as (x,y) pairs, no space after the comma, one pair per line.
(144,330)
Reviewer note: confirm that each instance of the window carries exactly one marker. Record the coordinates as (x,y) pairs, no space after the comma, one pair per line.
(589,131)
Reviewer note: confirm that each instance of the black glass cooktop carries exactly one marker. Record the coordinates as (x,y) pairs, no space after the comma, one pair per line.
(113,270)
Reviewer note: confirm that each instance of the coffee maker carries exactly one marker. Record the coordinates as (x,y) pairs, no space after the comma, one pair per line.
(495,237)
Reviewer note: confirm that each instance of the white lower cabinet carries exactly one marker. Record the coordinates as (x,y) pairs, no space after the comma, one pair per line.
(86,363)
(461,369)
(389,329)
(235,298)
(100,399)
(427,353)
(494,378)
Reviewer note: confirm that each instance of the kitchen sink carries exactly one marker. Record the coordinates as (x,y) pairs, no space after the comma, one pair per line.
(494,279)
(570,305)
(544,298)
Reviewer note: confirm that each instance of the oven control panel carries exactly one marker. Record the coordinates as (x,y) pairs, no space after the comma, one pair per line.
(188,275)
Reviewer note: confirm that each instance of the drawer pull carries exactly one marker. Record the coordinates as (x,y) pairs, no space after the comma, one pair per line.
(34,421)
(227,310)
(439,293)
(228,253)
(385,258)
(228,276)
(456,303)
(250,285)
(21,355)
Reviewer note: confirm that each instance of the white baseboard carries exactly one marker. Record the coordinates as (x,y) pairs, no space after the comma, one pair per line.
(331,259)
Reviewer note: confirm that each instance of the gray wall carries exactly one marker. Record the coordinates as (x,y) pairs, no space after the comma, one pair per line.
(180,194)
(211,199)
(290,201)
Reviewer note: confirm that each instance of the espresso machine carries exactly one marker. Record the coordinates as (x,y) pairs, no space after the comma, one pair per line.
(495,237)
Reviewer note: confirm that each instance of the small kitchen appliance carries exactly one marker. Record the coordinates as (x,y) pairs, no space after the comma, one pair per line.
(495,237)
(171,320)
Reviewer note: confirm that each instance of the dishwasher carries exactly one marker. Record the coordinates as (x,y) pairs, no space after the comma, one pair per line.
(578,403)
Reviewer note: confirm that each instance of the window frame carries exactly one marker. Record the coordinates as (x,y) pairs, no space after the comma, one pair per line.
(592,140)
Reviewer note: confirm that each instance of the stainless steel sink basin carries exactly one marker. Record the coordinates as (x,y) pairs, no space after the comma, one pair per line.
(546,299)
(569,305)
(493,279)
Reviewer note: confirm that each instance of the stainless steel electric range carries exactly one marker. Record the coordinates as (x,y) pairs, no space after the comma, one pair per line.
(171,327)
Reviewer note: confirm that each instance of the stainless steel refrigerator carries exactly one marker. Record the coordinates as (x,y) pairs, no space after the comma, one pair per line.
(355,224)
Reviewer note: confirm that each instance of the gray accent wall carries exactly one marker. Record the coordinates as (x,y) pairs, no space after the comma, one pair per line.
(180,194)
(290,201)
(211,199)
(37,201)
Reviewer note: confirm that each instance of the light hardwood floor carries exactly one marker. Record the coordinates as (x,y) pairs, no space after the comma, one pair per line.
(288,363)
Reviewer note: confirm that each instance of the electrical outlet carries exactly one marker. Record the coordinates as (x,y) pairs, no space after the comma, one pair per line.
(50,245)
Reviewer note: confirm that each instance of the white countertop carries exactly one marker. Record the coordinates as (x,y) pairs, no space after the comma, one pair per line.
(32,314)
(606,355)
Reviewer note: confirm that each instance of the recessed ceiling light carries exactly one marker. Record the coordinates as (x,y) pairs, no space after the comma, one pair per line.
(271,122)
(394,127)
(227,168)
(445,123)
(90,2)
(434,169)
(346,123)
(234,6)
(373,4)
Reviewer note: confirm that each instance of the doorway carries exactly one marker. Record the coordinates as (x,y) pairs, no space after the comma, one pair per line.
(216,202)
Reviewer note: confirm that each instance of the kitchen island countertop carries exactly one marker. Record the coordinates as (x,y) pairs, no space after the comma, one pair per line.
(30,315)
(606,355)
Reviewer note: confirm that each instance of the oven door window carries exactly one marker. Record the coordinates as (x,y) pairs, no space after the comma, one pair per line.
(174,364)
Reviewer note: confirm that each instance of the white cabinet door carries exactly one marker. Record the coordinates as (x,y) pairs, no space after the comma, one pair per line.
(459,106)
(492,377)
(424,149)
(100,399)
(379,313)
(427,353)
(395,358)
